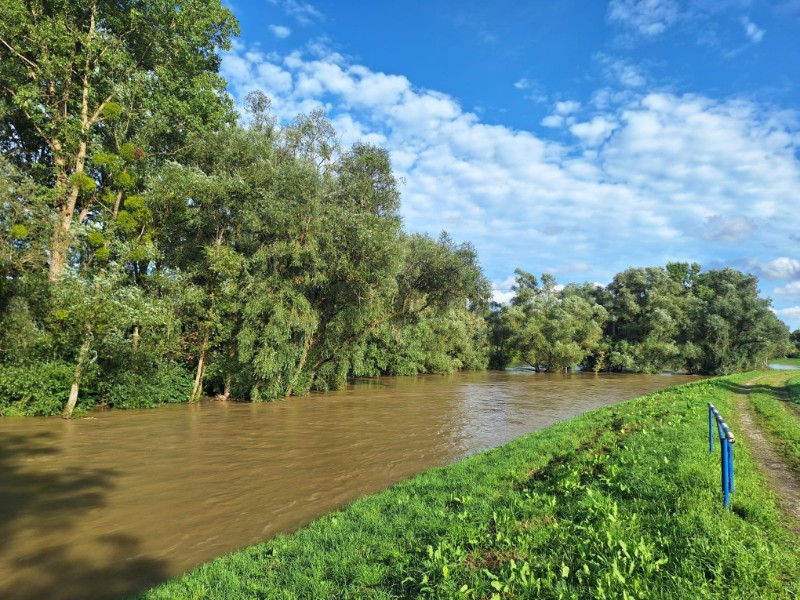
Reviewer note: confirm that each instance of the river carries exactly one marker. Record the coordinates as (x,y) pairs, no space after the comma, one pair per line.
(106,505)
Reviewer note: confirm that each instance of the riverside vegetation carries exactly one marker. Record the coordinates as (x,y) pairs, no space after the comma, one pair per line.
(622,502)
(155,248)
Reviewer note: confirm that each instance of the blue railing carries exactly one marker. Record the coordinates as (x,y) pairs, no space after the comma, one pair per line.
(726,441)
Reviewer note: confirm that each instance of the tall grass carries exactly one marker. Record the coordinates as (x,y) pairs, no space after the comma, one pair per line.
(777,407)
(622,502)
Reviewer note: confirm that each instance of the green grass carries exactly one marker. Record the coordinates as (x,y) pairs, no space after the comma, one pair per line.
(777,408)
(622,502)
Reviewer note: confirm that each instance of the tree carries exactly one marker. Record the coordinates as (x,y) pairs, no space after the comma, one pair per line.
(552,330)
(71,70)
(734,329)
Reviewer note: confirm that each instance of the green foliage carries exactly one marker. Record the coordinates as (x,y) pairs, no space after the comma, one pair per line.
(18,232)
(622,502)
(83,182)
(95,239)
(145,386)
(112,111)
(124,179)
(34,388)
(552,330)
(130,152)
(646,319)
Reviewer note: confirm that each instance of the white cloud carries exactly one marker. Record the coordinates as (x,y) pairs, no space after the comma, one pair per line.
(792,290)
(567,107)
(646,17)
(280,31)
(553,121)
(729,229)
(502,291)
(304,12)
(561,114)
(791,313)
(522,84)
(782,268)
(595,131)
(621,71)
(753,32)
(646,180)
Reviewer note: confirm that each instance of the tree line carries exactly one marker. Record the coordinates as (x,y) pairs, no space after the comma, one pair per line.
(157,247)
(673,318)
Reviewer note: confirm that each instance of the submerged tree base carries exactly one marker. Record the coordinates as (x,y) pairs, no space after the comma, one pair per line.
(622,501)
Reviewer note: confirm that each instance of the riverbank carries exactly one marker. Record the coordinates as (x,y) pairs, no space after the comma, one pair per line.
(621,500)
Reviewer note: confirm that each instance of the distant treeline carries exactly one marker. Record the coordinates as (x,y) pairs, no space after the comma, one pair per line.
(647,319)
(156,248)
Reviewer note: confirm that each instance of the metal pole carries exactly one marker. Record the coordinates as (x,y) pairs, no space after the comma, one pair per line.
(730,466)
(710,428)
(725,487)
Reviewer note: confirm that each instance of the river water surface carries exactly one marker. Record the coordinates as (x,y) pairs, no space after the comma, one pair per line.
(104,506)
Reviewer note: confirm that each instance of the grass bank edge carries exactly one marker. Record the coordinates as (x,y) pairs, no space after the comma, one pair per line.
(620,500)
(777,411)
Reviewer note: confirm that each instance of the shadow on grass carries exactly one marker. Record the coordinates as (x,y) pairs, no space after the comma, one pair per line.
(42,500)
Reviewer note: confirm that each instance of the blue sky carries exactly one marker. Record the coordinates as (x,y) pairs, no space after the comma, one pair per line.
(574,137)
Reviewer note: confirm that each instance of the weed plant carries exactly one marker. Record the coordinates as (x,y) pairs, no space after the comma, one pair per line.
(622,502)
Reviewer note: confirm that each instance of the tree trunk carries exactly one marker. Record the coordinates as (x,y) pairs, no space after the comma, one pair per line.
(76,377)
(301,363)
(197,390)
(135,339)
(226,394)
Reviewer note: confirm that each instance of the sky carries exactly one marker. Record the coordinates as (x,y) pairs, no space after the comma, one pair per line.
(572,137)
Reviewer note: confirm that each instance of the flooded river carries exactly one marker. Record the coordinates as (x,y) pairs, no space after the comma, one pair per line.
(103,506)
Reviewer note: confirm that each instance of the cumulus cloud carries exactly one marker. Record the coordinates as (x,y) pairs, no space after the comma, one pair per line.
(280,31)
(792,290)
(646,179)
(595,131)
(781,268)
(791,313)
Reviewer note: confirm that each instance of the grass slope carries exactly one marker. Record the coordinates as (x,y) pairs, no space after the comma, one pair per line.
(777,409)
(622,502)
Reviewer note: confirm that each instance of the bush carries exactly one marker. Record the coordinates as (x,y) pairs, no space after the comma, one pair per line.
(35,388)
(168,383)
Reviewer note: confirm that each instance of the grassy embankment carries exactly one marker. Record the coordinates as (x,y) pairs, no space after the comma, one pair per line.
(620,502)
(777,411)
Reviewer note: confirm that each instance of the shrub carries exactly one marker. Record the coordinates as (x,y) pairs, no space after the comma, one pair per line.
(139,388)
(35,389)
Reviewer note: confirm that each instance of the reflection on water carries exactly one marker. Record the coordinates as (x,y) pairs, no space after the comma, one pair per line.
(103,506)
(780,367)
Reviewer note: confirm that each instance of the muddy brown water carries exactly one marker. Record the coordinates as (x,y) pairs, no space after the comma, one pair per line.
(104,506)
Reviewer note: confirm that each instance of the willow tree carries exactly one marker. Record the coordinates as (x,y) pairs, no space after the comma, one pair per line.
(552,329)
(72,71)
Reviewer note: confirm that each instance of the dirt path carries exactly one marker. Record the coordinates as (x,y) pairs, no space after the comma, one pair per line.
(782,481)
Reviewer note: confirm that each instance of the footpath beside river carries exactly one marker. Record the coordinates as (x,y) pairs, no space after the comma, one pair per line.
(624,501)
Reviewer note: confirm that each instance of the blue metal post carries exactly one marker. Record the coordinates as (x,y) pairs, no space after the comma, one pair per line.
(724,443)
(730,467)
(710,428)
